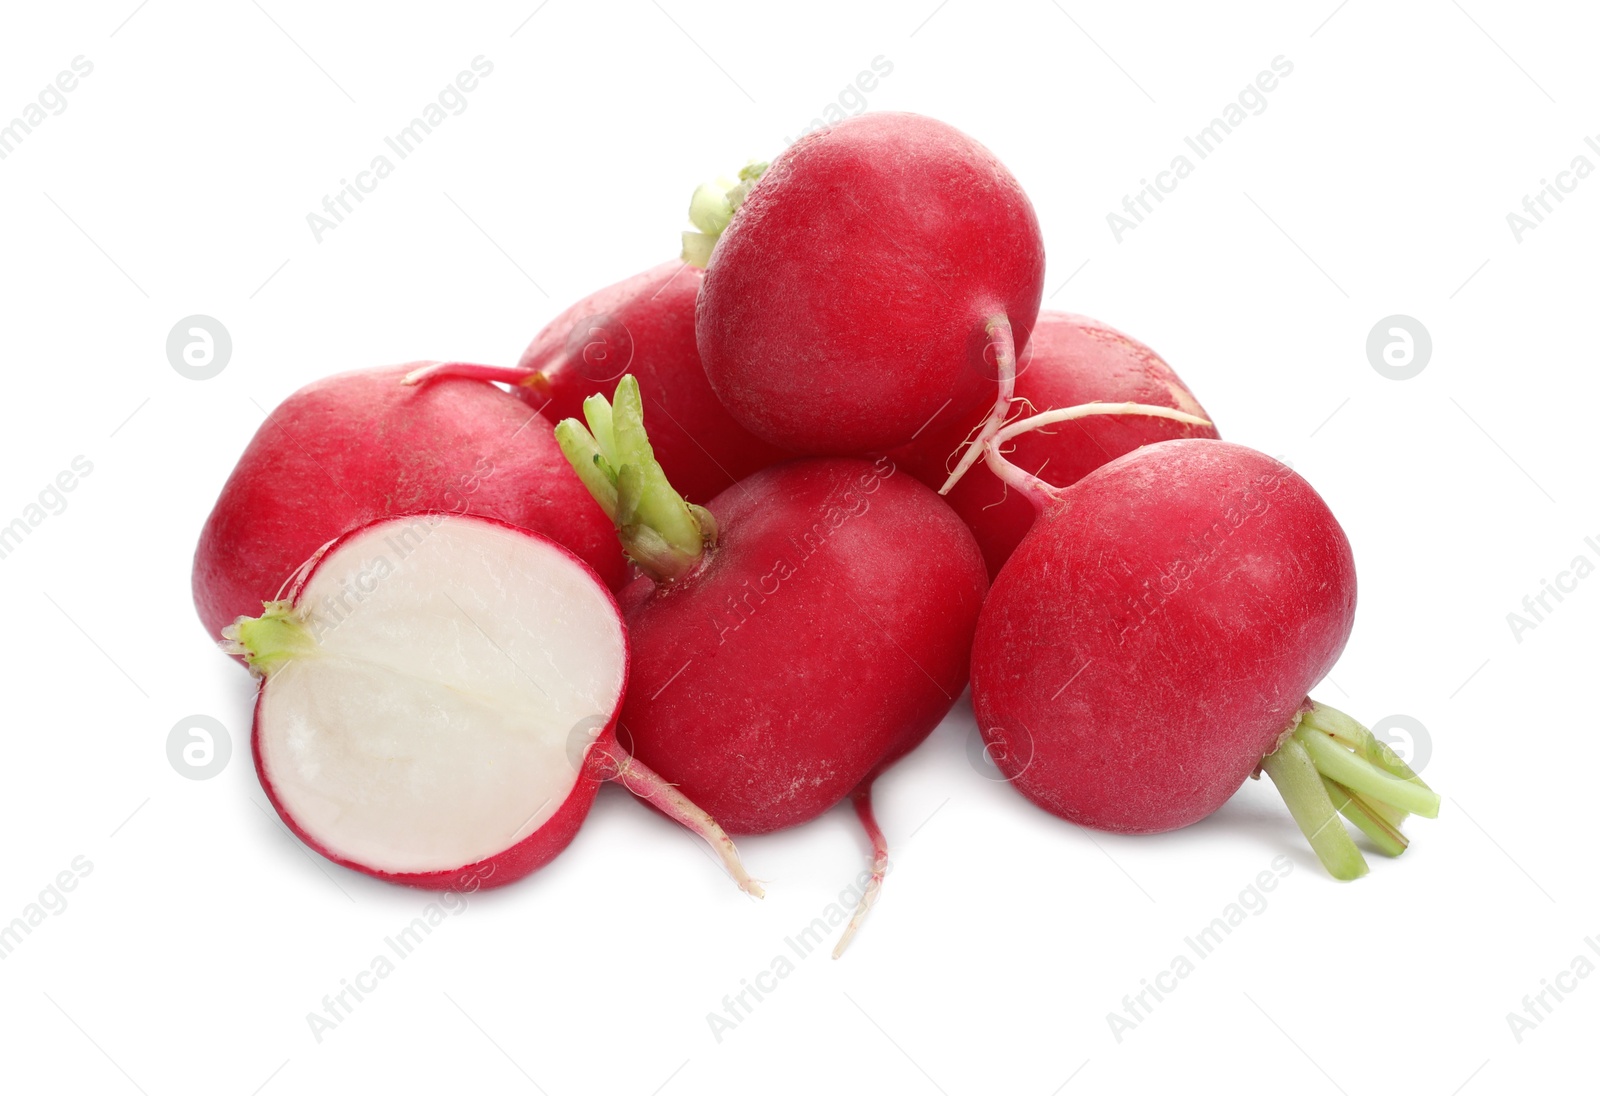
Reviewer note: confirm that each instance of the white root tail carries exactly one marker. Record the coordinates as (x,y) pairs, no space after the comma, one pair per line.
(862,799)
(648,785)
(1031,486)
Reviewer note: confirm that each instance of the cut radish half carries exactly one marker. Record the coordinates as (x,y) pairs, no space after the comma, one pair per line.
(439,700)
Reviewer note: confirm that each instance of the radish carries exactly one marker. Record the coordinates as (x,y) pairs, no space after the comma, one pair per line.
(643,325)
(1071,360)
(1152,641)
(792,639)
(438,703)
(849,296)
(358,446)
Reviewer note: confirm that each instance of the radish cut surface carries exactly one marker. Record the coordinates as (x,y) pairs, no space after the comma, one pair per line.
(448,678)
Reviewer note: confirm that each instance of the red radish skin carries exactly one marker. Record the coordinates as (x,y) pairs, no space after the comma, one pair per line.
(823,638)
(791,640)
(1196,592)
(1070,360)
(846,301)
(1152,641)
(359,446)
(643,325)
(327,730)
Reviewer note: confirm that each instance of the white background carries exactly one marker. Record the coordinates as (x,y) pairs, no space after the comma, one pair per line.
(1377,182)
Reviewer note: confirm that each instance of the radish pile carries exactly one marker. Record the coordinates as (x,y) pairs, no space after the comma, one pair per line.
(468,607)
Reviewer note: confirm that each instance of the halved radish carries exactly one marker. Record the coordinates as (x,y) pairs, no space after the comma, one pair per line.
(439,700)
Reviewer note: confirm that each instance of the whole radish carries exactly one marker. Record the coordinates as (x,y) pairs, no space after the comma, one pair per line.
(643,325)
(1071,360)
(854,282)
(793,638)
(438,703)
(358,446)
(1152,641)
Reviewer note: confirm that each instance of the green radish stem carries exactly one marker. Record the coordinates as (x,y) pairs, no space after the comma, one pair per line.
(663,533)
(1351,734)
(1357,776)
(1394,816)
(1388,838)
(711,208)
(1298,781)
(1365,778)
(267,642)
